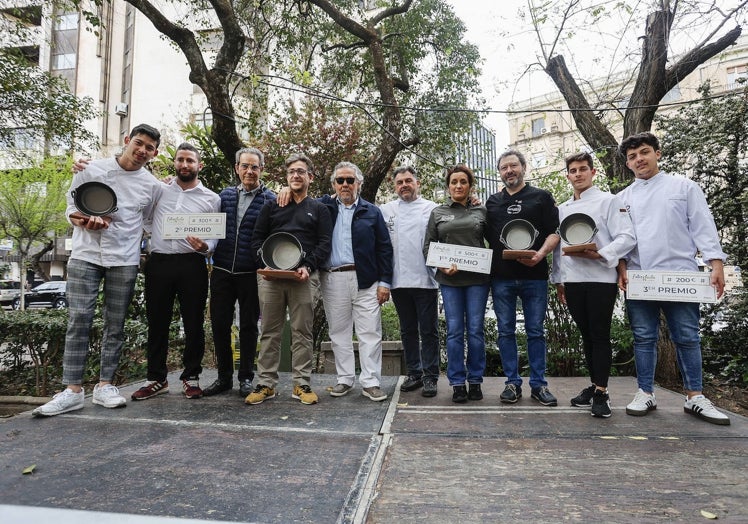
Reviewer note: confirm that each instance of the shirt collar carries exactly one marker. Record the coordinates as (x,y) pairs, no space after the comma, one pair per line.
(352,206)
(252,192)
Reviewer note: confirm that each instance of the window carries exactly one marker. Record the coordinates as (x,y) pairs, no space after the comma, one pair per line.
(538,126)
(19,138)
(66,61)
(672,95)
(736,76)
(538,160)
(66,22)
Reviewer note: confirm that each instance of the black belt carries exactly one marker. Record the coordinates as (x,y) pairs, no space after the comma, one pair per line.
(347,267)
(166,255)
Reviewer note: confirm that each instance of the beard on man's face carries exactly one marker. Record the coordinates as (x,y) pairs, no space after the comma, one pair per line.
(187,176)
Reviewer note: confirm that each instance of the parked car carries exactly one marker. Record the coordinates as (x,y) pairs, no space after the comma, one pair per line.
(9,289)
(49,294)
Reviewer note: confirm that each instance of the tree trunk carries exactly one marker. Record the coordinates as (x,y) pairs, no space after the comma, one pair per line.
(36,260)
(653,82)
(666,371)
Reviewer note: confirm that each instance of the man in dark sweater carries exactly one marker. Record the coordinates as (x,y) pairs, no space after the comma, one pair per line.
(233,277)
(523,278)
(309,221)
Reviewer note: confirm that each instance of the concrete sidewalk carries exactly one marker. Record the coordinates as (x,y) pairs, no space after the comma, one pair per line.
(350,459)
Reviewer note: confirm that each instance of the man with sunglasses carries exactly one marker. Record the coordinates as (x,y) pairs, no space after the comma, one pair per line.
(356,282)
(233,278)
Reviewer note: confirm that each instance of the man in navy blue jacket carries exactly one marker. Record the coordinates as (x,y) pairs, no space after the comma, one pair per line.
(355,282)
(233,277)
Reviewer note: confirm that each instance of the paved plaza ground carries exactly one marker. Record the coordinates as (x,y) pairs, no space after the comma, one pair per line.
(348,459)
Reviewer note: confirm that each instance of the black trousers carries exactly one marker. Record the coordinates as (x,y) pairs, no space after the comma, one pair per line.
(417,311)
(185,277)
(591,306)
(225,290)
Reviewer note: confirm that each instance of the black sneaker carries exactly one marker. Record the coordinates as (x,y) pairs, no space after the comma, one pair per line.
(245,387)
(600,404)
(544,396)
(584,399)
(411,383)
(217,387)
(511,394)
(429,387)
(460,394)
(474,392)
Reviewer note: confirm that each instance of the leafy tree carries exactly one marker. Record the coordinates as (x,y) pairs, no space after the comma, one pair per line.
(713,153)
(215,174)
(37,107)
(663,61)
(32,208)
(411,53)
(328,134)
(661,64)
(384,56)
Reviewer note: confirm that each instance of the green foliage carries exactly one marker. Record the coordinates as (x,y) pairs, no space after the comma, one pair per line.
(713,154)
(564,342)
(39,111)
(725,351)
(33,343)
(390,322)
(32,202)
(426,57)
(325,132)
(217,172)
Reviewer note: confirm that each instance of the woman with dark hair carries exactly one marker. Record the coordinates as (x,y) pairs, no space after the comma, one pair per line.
(464,293)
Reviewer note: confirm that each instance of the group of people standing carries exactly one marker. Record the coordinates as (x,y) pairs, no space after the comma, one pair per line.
(659,223)
(358,256)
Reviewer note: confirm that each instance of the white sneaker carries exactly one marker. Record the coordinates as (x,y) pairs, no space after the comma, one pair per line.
(62,402)
(703,408)
(108,396)
(642,404)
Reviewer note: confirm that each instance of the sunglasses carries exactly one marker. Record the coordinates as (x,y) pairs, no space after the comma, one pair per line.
(347,180)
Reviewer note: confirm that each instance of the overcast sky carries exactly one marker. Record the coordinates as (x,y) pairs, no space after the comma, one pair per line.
(495,27)
(504,34)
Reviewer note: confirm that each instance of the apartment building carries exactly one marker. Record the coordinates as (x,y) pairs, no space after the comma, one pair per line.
(543,128)
(132,73)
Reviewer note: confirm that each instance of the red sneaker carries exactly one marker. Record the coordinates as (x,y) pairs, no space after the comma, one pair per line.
(191,389)
(151,388)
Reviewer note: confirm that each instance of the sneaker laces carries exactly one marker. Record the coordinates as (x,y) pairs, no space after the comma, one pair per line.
(642,397)
(59,398)
(305,388)
(701,401)
(109,390)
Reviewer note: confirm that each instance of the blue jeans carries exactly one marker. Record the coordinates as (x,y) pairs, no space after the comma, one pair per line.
(465,308)
(683,324)
(534,297)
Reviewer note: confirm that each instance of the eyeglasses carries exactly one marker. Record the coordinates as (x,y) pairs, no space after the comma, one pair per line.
(254,168)
(345,180)
(299,171)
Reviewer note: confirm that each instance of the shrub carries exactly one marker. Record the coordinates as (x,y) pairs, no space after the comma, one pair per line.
(725,345)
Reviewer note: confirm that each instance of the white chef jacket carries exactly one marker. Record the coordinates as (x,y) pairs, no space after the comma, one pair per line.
(615,238)
(119,244)
(406,222)
(672,221)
